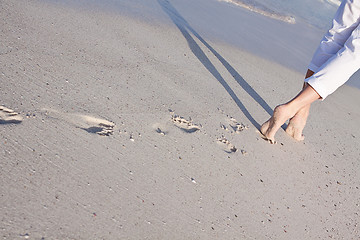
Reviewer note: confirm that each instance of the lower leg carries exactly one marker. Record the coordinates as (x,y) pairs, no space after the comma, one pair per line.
(297,123)
(288,110)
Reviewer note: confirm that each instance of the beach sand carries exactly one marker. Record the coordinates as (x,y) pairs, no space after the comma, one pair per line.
(117,128)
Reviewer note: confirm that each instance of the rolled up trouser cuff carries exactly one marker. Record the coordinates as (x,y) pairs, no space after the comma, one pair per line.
(318,87)
(313,67)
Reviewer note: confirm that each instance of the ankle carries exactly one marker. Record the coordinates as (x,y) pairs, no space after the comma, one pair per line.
(290,109)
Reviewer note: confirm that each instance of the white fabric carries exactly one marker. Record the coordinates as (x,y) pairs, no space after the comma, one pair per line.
(338,55)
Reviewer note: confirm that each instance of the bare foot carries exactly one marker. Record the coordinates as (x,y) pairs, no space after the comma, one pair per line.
(297,124)
(279,117)
(298,106)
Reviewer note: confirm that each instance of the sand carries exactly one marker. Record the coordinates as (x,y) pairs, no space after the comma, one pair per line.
(113,127)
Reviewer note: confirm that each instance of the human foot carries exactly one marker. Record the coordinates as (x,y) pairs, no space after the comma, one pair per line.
(279,117)
(283,112)
(297,124)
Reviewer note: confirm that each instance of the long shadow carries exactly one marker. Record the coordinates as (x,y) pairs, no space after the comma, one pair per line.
(185,28)
(9,121)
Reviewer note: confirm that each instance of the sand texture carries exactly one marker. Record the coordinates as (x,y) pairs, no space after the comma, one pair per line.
(112,127)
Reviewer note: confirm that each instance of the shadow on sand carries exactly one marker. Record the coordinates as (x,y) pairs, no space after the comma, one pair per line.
(186,29)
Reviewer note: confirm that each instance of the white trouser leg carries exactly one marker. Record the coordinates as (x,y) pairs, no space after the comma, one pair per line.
(346,19)
(339,68)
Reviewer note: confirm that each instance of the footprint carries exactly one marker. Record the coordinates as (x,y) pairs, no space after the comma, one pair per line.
(237,127)
(184,124)
(9,116)
(227,146)
(99,126)
(90,124)
(223,127)
(160,128)
(232,124)
(243,152)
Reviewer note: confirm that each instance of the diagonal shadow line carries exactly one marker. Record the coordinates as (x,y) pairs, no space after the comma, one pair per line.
(9,121)
(237,76)
(185,28)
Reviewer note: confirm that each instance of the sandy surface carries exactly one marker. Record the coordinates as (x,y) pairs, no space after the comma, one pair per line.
(115,128)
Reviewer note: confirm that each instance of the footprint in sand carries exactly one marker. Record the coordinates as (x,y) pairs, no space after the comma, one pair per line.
(9,116)
(226,145)
(99,126)
(90,124)
(233,123)
(185,125)
(161,131)
(236,126)
(160,128)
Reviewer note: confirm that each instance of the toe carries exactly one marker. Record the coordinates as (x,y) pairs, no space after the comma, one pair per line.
(300,137)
